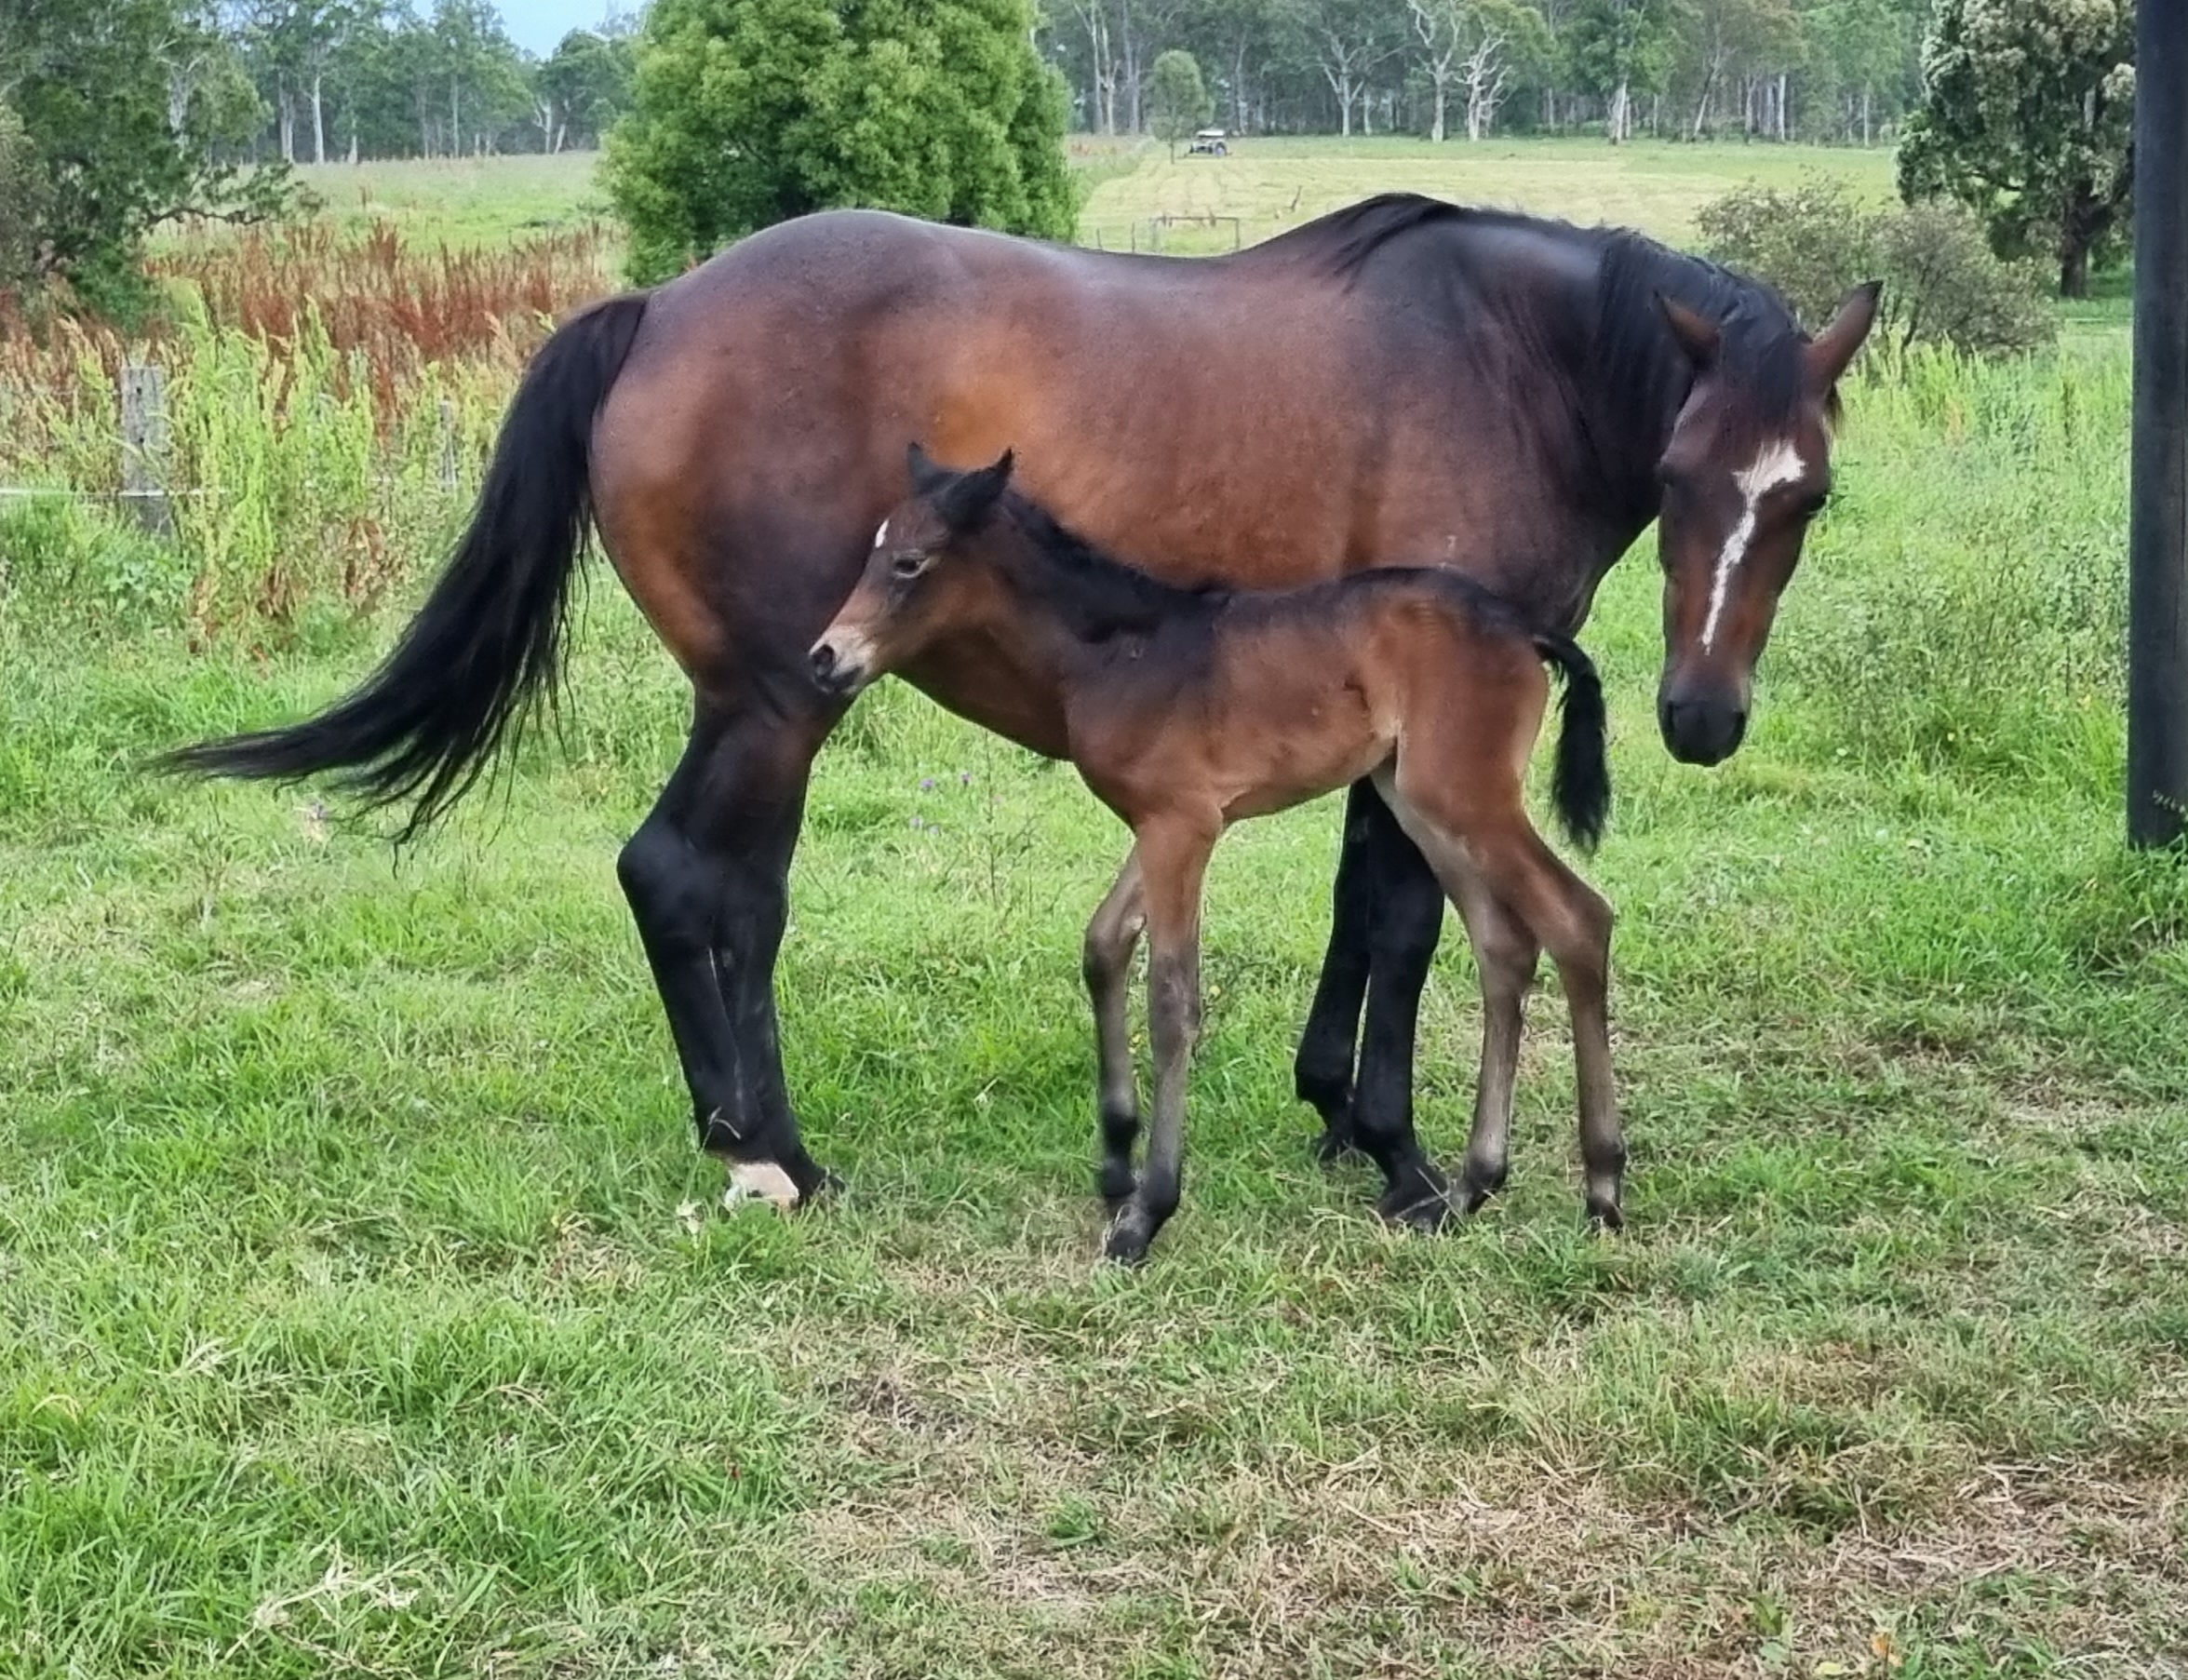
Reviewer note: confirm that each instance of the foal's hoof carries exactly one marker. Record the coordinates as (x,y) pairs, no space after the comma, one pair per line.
(1603,1214)
(1129,1234)
(1476,1187)
(1420,1200)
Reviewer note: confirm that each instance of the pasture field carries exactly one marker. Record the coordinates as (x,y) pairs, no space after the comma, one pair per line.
(1270,184)
(363,1309)
(474,201)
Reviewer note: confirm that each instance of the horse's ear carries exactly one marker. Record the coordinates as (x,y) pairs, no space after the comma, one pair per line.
(973,495)
(926,477)
(1696,335)
(1833,348)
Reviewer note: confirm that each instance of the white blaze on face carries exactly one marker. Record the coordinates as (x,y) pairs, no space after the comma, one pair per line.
(882,533)
(1775,464)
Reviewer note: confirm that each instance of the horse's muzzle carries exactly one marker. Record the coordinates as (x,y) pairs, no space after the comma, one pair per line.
(839,664)
(1702,731)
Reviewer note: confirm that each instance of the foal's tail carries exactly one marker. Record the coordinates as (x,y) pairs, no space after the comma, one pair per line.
(1580,781)
(488,641)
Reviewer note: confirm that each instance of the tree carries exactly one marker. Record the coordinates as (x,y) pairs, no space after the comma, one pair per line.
(1350,38)
(747,112)
(1177,100)
(1620,49)
(133,113)
(2029,120)
(583,87)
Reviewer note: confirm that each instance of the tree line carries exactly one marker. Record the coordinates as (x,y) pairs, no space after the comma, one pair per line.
(351,79)
(1834,70)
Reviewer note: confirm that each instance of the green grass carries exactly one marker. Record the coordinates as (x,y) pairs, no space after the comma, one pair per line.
(478,201)
(1272,185)
(362,1308)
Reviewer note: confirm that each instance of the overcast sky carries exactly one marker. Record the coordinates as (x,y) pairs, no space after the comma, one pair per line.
(537,25)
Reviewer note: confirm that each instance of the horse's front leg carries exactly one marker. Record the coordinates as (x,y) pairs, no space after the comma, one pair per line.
(1173,860)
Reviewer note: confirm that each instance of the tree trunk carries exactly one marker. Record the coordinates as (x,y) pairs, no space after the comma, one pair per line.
(1617,121)
(1702,105)
(286,102)
(1781,92)
(1436,127)
(455,120)
(1865,113)
(318,119)
(2074,272)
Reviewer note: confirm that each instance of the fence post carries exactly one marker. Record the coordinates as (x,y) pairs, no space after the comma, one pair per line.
(145,448)
(447,443)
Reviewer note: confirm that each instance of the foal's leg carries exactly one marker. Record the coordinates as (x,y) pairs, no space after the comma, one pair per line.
(1574,925)
(1505,955)
(1571,922)
(1111,937)
(1173,859)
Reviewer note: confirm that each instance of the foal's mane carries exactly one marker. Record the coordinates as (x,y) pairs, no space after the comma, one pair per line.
(1760,337)
(1102,593)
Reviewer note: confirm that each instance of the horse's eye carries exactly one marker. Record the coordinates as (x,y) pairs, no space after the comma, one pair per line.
(908,565)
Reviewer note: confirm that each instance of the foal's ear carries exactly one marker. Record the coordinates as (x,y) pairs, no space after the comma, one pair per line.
(970,497)
(1832,349)
(927,477)
(1696,335)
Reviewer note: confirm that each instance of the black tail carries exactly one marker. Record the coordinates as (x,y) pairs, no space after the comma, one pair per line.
(1580,782)
(488,643)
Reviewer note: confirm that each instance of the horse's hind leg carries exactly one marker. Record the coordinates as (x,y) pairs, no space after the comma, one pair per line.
(708,879)
(1111,937)
(1322,1073)
(1387,913)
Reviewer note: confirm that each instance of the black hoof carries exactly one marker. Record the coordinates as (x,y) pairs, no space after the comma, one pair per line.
(1475,1189)
(1605,1216)
(1336,1144)
(1419,1198)
(1130,1234)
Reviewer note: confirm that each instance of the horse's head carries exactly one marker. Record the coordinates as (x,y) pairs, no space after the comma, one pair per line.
(910,592)
(1747,467)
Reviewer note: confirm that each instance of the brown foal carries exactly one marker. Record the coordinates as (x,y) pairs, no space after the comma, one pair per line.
(1186,710)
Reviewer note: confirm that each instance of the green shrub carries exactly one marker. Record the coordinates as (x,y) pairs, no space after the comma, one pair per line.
(747,112)
(1942,286)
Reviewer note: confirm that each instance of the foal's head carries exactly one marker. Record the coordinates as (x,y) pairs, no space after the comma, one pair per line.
(918,583)
(1747,467)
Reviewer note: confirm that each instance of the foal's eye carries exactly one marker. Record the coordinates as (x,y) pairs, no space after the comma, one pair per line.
(908,565)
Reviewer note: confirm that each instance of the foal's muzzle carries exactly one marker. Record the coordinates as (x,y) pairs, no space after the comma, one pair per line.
(839,664)
(1704,729)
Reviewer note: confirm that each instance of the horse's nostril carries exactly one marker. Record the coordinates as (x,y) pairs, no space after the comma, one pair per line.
(824,659)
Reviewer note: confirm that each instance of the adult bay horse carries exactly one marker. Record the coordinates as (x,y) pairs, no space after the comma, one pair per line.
(1402,381)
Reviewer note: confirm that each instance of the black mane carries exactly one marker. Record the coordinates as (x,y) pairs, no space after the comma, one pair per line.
(1102,594)
(1761,339)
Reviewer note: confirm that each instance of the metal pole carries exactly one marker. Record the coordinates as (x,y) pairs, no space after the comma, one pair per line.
(2157,540)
